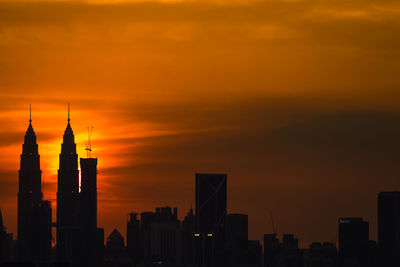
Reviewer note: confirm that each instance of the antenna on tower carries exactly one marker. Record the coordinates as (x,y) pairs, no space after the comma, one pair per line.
(68,112)
(30,113)
(89,145)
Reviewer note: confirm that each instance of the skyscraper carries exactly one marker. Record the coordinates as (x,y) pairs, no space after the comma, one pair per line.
(210,219)
(67,199)
(41,233)
(210,201)
(188,231)
(88,194)
(92,237)
(134,238)
(389,228)
(353,242)
(29,194)
(165,237)
(236,238)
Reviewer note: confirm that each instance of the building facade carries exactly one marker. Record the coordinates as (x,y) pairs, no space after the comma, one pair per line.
(34,214)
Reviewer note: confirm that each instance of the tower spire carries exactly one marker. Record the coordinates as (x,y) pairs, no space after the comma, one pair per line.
(68,112)
(30,113)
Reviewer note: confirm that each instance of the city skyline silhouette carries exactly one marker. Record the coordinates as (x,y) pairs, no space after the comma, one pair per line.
(265,216)
(296,102)
(210,235)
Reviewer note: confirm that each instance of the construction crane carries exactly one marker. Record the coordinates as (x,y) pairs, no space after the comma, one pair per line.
(89,145)
(275,231)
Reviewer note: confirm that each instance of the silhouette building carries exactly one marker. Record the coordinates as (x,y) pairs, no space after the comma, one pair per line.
(211,202)
(353,242)
(281,254)
(134,239)
(93,237)
(155,238)
(253,253)
(68,238)
(271,250)
(146,219)
(79,241)
(5,242)
(41,223)
(115,250)
(34,214)
(320,255)
(165,234)
(236,238)
(188,230)
(389,228)
(238,249)
(88,194)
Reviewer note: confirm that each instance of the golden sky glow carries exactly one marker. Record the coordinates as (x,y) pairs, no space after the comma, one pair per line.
(296,100)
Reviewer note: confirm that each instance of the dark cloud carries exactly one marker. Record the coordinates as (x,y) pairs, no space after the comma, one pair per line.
(350,130)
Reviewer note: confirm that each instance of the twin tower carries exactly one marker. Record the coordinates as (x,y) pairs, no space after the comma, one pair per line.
(79,241)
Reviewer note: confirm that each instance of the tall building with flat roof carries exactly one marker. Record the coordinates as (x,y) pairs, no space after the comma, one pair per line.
(211,208)
(210,201)
(236,229)
(389,228)
(93,237)
(134,238)
(155,238)
(88,194)
(236,238)
(353,241)
(188,231)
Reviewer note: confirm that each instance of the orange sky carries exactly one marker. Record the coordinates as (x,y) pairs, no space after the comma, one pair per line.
(297,100)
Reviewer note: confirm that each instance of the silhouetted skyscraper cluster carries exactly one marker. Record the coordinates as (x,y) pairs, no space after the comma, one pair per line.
(355,247)
(206,237)
(210,237)
(156,237)
(79,241)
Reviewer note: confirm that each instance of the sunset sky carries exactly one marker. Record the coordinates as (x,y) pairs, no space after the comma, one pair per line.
(298,101)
